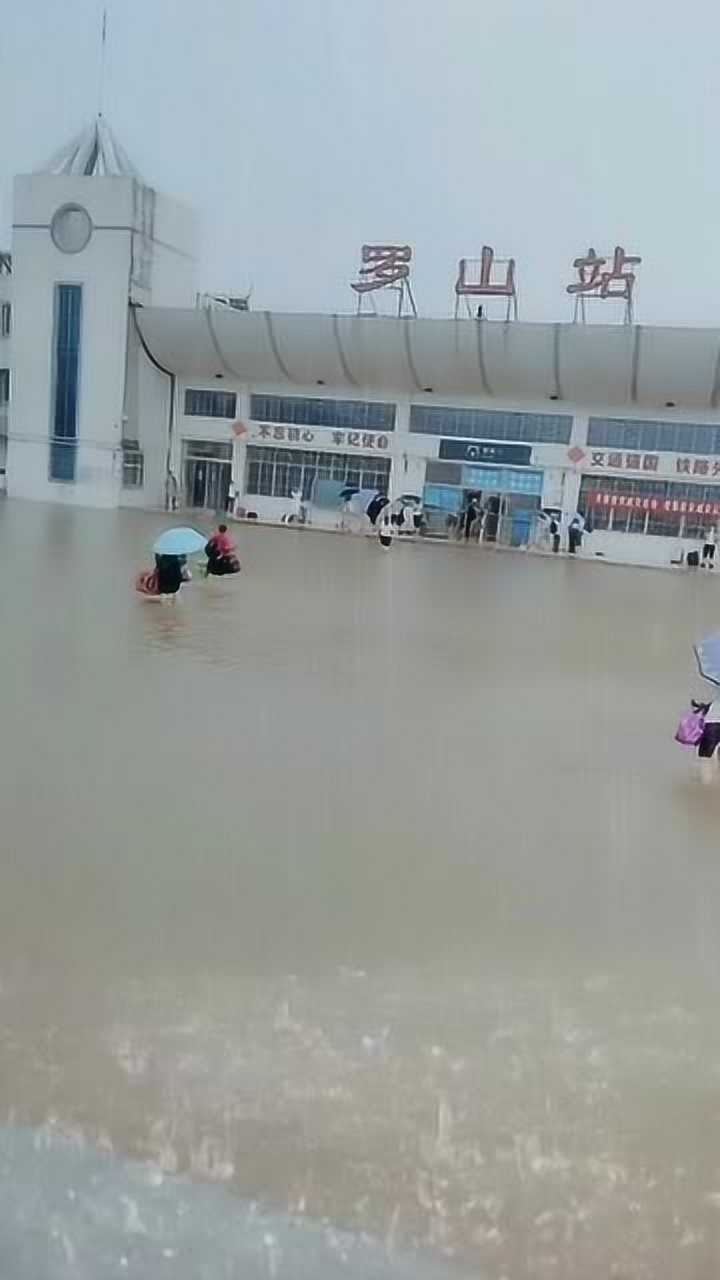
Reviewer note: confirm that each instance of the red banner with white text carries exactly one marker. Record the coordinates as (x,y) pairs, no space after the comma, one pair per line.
(662,506)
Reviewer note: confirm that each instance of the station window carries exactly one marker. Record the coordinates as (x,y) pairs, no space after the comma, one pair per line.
(654,437)
(275,473)
(210,404)
(66,385)
(482,424)
(346,415)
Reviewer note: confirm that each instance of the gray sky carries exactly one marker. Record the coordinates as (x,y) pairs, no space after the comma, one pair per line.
(301,128)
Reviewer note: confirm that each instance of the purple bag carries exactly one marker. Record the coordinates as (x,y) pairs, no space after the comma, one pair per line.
(690,729)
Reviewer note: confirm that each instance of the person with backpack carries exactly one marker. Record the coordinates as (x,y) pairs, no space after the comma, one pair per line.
(707,747)
(220,552)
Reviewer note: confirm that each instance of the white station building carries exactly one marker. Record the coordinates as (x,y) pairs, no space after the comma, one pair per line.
(121,385)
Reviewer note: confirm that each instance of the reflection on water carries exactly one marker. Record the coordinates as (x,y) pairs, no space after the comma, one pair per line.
(370,886)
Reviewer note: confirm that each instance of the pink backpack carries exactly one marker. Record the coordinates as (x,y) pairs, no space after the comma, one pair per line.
(690,729)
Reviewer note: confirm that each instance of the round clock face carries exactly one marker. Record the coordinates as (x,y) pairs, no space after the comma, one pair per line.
(71,228)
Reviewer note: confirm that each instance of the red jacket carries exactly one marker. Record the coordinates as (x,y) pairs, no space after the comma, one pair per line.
(223,544)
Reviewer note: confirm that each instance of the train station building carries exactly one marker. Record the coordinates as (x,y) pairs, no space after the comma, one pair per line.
(121,384)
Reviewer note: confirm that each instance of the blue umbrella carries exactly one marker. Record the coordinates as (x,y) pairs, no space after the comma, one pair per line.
(707,653)
(179,542)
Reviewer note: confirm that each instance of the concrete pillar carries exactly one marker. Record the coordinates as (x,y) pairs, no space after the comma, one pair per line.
(239,463)
(408,475)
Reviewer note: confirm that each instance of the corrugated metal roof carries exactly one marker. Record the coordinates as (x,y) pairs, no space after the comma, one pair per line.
(576,363)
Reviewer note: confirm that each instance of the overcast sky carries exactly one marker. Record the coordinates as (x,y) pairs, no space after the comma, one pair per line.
(301,128)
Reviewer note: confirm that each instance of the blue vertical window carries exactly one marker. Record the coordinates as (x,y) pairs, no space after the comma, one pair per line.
(66,382)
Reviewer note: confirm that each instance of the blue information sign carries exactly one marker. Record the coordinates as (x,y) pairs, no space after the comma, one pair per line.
(514,455)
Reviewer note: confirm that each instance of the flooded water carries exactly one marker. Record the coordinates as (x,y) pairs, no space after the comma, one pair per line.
(370,886)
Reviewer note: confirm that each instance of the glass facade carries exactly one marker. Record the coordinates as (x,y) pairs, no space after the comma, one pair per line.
(653,437)
(348,415)
(481,424)
(210,404)
(207,466)
(503,479)
(660,523)
(275,473)
(443,497)
(66,382)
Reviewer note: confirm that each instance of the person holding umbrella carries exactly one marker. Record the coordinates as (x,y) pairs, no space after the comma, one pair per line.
(169,570)
(171,551)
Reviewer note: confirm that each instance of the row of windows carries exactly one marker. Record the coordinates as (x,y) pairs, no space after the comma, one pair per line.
(659,523)
(481,424)
(348,415)
(649,488)
(651,437)
(276,473)
(210,404)
(474,424)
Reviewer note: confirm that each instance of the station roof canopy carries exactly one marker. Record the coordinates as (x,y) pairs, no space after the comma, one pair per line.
(595,365)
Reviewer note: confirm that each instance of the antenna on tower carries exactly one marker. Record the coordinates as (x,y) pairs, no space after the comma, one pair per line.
(103,44)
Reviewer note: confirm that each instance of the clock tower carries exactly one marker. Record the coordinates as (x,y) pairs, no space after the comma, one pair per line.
(90,238)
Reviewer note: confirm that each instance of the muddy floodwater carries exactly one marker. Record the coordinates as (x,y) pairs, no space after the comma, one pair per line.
(369,890)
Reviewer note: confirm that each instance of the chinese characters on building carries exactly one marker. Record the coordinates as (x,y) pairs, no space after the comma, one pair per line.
(605,277)
(601,459)
(341,439)
(698,466)
(597,279)
(625,461)
(385,266)
(478,281)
